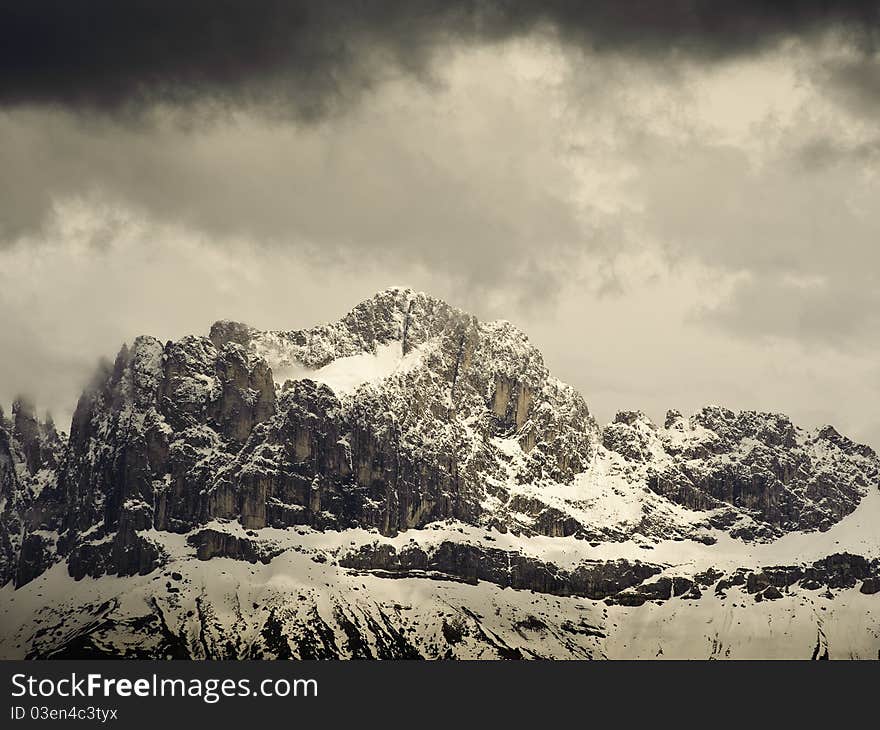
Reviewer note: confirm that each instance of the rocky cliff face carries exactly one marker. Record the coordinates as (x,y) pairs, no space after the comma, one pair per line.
(175,435)
(405,419)
(31,509)
(758,464)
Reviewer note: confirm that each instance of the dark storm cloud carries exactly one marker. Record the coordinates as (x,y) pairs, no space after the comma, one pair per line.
(311,56)
(855,82)
(824,152)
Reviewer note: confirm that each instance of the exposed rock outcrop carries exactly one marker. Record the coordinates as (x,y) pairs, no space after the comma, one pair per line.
(780,476)
(503,568)
(31,507)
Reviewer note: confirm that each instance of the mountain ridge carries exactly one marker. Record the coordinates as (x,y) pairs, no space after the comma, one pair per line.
(406,419)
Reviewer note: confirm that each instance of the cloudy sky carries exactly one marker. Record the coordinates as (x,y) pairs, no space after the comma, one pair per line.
(676,200)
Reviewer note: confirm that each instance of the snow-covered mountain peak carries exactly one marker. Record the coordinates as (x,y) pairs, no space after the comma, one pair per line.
(384,335)
(406,440)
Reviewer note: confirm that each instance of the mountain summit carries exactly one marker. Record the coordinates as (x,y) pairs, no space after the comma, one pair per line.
(320,476)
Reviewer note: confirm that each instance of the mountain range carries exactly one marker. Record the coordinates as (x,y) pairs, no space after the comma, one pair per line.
(411,482)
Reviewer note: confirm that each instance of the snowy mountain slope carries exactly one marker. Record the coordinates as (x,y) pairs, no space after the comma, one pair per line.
(410,481)
(302,603)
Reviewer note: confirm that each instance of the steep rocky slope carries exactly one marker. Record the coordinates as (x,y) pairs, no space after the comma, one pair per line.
(410,481)
(31,455)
